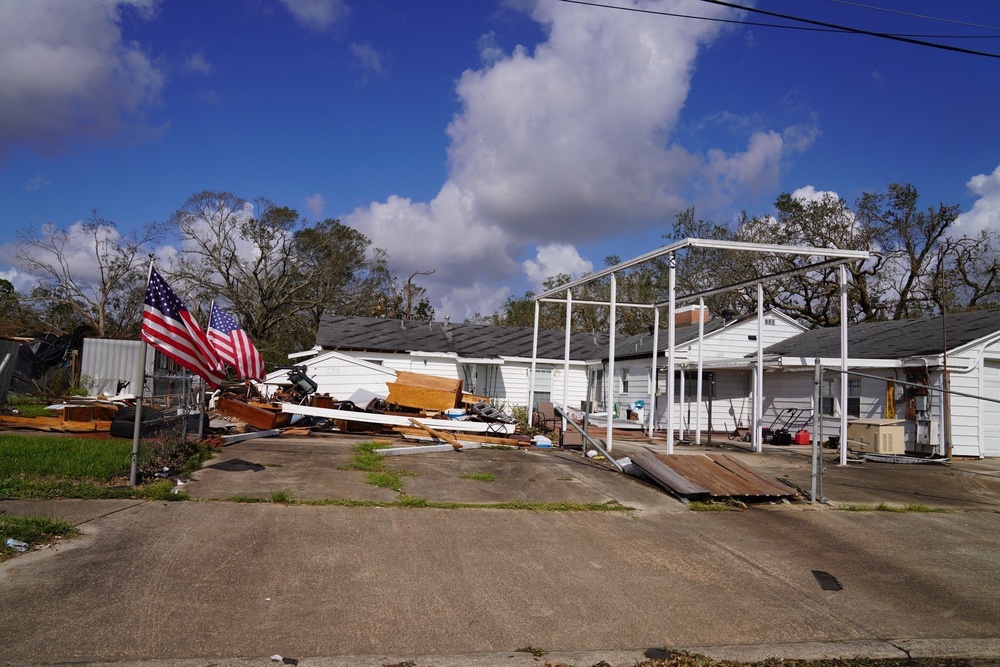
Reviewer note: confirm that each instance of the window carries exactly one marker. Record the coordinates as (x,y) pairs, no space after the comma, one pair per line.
(690,384)
(826,398)
(543,385)
(626,374)
(854,397)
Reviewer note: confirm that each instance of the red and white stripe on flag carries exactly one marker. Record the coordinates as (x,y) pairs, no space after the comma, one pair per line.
(233,345)
(169,327)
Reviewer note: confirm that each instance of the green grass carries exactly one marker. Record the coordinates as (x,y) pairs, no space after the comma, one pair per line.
(35,530)
(901,509)
(385,479)
(481,476)
(35,410)
(44,466)
(243,498)
(716,506)
(75,458)
(407,501)
(282,496)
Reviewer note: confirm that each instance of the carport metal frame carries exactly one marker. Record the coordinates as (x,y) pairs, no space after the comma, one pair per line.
(826,258)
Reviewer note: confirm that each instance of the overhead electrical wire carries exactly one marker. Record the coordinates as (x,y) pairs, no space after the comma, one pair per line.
(917,16)
(820,26)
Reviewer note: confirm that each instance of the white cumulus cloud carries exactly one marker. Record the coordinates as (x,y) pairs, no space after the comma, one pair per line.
(317,15)
(316,204)
(553,259)
(985,213)
(67,73)
(568,141)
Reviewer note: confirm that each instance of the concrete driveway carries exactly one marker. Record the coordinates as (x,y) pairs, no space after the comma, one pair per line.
(224,583)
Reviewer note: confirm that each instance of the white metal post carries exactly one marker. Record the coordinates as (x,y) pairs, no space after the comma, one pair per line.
(653,375)
(701,346)
(569,316)
(682,424)
(531,373)
(843,365)
(671,343)
(758,391)
(610,391)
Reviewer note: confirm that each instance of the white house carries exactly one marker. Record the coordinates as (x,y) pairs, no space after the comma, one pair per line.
(726,390)
(882,356)
(365,352)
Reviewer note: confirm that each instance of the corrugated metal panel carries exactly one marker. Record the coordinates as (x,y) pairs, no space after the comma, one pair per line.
(105,363)
(7,347)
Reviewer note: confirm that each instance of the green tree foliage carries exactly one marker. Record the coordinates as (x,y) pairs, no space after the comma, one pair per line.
(278,275)
(915,266)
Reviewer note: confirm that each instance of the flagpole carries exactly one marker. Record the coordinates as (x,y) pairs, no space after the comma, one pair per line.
(134,471)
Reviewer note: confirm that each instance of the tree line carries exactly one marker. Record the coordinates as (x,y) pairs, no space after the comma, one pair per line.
(274,271)
(916,266)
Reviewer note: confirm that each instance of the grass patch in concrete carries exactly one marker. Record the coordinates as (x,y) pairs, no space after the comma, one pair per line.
(729,505)
(36,531)
(899,509)
(669,658)
(418,502)
(282,497)
(243,498)
(481,476)
(385,479)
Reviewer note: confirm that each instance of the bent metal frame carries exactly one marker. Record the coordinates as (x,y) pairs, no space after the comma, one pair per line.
(819,258)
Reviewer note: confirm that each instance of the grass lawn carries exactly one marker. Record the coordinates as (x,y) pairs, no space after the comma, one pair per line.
(43,466)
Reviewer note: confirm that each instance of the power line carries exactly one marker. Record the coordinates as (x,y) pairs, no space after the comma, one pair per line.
(819,25)
(918,16)
(859,31)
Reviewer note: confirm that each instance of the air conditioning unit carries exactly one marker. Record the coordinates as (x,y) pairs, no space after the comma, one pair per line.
(876,436)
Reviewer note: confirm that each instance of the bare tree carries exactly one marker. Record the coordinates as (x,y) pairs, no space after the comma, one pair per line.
(89,270)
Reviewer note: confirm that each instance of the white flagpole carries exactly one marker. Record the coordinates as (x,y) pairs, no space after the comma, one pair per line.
(134,472)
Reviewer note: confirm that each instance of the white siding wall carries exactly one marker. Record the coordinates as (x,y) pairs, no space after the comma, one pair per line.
(970,417)
(340,375)
(515,381)
(732,404)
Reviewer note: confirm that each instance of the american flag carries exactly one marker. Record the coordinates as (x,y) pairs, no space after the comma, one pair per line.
(170,328)
(233,346)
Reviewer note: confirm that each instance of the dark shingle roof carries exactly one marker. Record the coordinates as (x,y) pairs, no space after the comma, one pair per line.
(369,334)
(892,340)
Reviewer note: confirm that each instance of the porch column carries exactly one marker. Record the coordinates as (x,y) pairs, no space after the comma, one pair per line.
(531,373)
(653,375)
(610,390)
(671,343)
(566,352)
(758,391)
(701,346)
(843,365)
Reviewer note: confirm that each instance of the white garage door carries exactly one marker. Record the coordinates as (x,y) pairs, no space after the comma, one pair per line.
(991,411)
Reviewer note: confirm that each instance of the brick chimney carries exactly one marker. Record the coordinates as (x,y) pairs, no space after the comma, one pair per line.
(689,315)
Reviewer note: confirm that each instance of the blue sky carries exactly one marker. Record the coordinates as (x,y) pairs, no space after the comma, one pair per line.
(494,142)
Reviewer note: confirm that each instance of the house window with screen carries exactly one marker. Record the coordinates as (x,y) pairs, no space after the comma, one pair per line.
(827,398)
(854,397)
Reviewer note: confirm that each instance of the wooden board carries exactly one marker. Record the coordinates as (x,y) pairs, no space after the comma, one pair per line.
(257,417)
(413,432)
(425,392)
(421,398)
(447,437)
(54,424)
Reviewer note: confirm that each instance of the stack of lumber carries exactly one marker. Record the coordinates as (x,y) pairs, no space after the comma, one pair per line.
(428,393)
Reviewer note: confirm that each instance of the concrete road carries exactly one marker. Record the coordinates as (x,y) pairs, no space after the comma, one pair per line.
(234,583)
